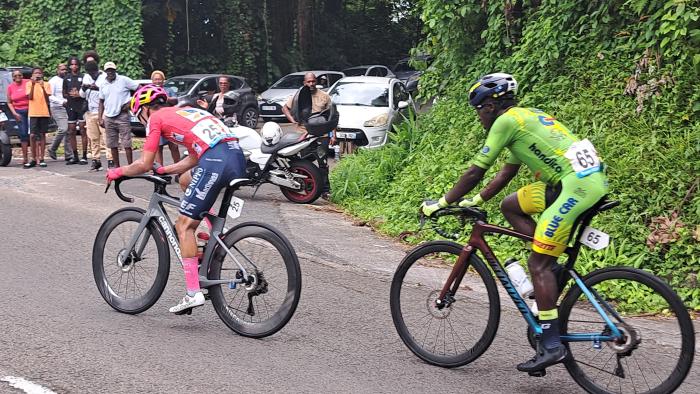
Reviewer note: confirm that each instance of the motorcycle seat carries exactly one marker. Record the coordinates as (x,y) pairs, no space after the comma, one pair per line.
(288,139)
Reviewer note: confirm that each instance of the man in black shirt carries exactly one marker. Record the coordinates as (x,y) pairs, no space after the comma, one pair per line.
(76,107)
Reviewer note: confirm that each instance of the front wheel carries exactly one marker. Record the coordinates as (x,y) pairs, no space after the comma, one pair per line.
(652,357)
(131,281)
(311,183)
(453,335)
(266,304)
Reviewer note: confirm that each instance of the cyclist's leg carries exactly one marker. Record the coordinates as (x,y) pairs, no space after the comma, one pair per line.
(528,200)
(551,236)
(201,193)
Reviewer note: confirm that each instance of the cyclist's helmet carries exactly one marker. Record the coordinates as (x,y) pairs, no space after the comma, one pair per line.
(493,85)
(271,133)
(145,95)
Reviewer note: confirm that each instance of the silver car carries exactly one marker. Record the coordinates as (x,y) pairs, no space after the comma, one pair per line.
(369,71)
(368,107)
(273,99)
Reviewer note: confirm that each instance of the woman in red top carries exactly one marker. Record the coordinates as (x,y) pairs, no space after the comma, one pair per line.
(18,103)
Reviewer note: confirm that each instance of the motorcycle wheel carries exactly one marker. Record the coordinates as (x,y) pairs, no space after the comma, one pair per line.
(5,154)
(311,185)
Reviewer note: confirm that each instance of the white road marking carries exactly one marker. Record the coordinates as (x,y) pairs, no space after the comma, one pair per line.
(26,386)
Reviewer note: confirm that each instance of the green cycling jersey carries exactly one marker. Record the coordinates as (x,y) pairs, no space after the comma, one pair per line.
(535,139)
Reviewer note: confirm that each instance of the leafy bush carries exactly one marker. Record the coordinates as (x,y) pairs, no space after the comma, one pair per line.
(621,73)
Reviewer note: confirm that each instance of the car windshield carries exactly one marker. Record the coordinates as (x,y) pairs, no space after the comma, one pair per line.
(362,94)
(403,67)
(179,86)
(289,82)
(354,72)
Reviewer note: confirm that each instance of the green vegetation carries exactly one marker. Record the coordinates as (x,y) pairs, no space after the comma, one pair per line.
(622,73)
(45,32)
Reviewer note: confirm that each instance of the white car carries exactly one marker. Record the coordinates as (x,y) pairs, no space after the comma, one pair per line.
(272,100)
(368,107)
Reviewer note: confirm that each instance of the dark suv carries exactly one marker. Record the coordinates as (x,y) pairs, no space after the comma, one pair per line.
(191,86)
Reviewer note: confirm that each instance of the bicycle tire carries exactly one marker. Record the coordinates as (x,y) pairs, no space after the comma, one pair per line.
(648,288)
(111,291)
(408,299)
(247,238)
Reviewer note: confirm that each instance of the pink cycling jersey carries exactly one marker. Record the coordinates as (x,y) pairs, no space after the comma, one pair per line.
(195,129)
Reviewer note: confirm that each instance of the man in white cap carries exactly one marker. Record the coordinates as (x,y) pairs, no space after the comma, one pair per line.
(115,95)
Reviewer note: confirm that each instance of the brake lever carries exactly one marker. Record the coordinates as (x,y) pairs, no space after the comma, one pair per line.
(107,188)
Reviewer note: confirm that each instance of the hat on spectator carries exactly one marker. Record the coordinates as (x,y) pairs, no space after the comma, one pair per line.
(109,65)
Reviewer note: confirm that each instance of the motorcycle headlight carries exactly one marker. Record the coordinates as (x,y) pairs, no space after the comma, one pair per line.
(378,121)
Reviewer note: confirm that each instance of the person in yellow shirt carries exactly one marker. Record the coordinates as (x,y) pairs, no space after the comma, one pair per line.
(38,93)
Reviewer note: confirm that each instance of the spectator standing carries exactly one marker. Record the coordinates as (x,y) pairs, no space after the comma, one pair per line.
(96,133)
(320,101)
(158,79)
(57,104)
(76,108)
(18,103)
(38,93)
(115,96)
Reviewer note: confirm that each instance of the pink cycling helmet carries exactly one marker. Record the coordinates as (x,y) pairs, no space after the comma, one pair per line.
(145,95)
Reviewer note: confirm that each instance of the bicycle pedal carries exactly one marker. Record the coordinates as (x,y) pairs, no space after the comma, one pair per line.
(538,374)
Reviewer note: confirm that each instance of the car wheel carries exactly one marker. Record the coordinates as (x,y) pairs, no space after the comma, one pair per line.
(249,118)
(5,154)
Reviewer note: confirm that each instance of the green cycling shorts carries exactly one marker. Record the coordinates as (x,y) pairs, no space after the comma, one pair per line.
(558,217)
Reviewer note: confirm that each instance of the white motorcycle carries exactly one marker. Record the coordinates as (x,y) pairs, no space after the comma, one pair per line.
(283,160)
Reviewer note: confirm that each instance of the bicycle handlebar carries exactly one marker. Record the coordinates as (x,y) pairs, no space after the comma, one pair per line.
(159,183)
(464,214)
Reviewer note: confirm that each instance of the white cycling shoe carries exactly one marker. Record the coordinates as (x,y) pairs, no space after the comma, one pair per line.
(188,303)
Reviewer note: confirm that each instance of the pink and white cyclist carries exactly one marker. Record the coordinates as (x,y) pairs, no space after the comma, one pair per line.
(215,159)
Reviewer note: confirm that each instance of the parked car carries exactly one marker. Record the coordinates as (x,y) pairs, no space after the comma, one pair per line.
(272,100)
(370,71)
(368,107)
(190,86)
(408,74)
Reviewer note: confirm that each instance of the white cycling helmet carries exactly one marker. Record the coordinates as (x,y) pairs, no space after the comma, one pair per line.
(271,133)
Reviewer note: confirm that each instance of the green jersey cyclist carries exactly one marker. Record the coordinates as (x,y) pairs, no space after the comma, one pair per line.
(569,180)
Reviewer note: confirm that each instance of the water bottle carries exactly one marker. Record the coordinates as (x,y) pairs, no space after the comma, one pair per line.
(336,148)
(519,278)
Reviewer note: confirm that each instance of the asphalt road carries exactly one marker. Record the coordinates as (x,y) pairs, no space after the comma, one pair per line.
(57,332)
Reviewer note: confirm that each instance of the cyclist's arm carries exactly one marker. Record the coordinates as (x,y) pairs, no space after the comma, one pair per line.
(143,164)
(183,165)
(466,183)
(498,138)
(501,180)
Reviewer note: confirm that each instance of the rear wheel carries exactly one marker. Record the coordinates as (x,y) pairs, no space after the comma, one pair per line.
(651,358)
(266,304)
(311,183)
(131,281)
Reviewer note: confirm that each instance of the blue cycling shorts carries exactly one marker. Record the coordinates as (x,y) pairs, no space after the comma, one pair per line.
(217,167)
